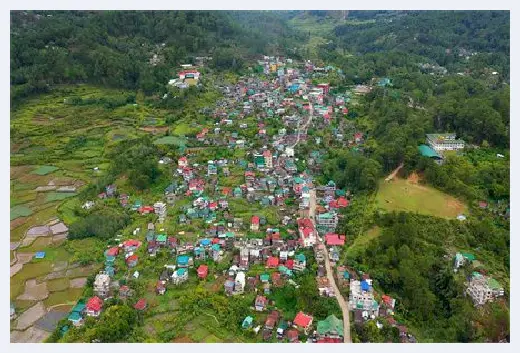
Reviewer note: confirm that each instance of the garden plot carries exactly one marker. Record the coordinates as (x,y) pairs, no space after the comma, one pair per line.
(31,335)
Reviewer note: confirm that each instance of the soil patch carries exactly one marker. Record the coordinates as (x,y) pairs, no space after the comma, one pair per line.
(183,339)
(30,316)
(60,265)
(24,257)
(56,274)
(14,245)
(15,269)
(78,282)
(31,335)
(413,178)
(34,291)
(15,223)
(39,231)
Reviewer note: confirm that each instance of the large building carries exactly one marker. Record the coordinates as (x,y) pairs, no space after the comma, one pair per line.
(483,289)
(444,142)
(361,297)
(102,285)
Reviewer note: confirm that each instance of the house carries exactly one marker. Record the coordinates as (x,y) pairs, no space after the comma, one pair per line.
(444,142)
(260,303)
(102,284)
(388,305)
(302,322)
(125,292)
(324,287)
(482,289)
(229,286)
(272,320)
(272,262)
(247,323)
(160,287)
(268,159)
(461,259)
(240,283)
(76,314)
(184,261)
(94,306)
(332,239)
(202,271)
(140,305)
(307,232)
(299,262)
(255,223)
(131,245)
(179,276)
(292,336)
(361,298)
(330,329)
(327,221)
(131,261)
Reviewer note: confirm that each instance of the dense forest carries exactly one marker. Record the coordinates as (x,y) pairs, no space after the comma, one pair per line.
(114,47)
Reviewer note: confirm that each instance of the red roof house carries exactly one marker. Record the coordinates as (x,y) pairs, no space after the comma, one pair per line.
(302,321)
(140,305)
(332,239)
(289,264)
(292,335)
(202,271)
(112,251)
(131,261)
(272,262)
(342,202)
(145,209)
(94,306)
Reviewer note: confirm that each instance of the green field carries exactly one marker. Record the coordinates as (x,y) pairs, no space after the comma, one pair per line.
(402,195)
(45,169)
(20,211)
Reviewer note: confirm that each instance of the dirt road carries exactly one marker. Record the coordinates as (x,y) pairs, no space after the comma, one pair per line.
(394,173)
(341,301)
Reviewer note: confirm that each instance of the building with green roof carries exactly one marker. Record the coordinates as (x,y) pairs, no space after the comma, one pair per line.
(331,327)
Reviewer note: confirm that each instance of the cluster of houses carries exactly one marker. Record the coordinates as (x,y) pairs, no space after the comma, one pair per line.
(479,287)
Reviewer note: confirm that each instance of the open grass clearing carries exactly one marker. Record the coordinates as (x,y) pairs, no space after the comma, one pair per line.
(404,195)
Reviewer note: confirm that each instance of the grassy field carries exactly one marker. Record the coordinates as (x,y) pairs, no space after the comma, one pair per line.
(362,241)
(403,195)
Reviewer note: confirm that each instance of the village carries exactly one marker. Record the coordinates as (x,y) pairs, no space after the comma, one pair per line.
(261,215)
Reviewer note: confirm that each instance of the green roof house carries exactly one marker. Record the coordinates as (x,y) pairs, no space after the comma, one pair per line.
(331,327)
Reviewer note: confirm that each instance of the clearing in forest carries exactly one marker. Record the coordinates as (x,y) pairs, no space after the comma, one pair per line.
(407,195)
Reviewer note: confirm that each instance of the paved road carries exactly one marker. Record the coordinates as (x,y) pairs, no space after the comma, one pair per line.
(341,301)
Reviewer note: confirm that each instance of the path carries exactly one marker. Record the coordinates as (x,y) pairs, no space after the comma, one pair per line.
(394,173)
(304,128)
(341,301)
